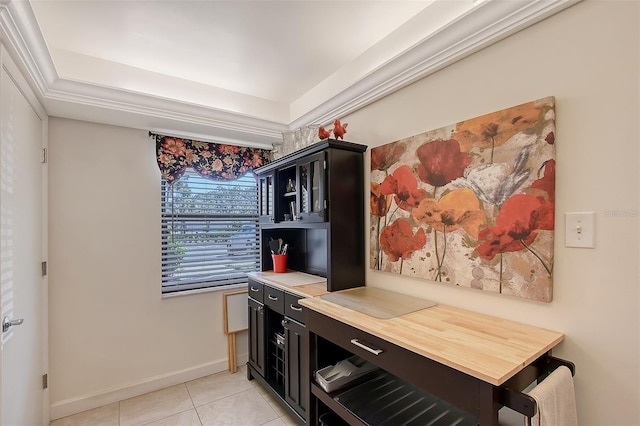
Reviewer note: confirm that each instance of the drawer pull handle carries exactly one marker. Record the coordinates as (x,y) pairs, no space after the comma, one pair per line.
(272,297)
(366,348)
(254,289)
(295,309)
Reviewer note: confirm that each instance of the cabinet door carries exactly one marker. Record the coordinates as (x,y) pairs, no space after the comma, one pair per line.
(296,389)
(311,188)
(256,336)
(267,201)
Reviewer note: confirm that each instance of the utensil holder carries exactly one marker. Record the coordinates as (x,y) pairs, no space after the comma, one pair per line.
(279,262)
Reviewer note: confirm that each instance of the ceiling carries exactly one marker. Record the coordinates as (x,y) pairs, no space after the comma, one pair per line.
(242,71)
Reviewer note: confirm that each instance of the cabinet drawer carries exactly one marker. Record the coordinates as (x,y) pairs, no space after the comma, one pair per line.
(442,381)
(256,290)
(292,309)
(365,345)
(274,298)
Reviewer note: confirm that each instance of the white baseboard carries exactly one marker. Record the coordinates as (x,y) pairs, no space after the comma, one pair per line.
(79,404)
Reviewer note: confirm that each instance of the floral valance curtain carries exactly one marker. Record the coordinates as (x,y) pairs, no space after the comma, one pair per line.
(210,160)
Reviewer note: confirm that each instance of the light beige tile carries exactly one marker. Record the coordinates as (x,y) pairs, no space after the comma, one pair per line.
(275,404)
(245,408)
(217,386)
(257,386)
(186,418)
(276,422)
(154,406)
(288,420)
(102,416)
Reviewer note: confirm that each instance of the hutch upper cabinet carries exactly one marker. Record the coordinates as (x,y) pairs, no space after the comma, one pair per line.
(313,200)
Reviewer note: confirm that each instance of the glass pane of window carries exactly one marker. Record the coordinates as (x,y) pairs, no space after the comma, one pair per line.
(209,232)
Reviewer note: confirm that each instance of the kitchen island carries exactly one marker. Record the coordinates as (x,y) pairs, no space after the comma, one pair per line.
(470,363)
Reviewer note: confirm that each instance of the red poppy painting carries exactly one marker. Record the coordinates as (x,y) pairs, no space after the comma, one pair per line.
(471,204)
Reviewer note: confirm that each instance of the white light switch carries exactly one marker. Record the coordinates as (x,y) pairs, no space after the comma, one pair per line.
(580,230)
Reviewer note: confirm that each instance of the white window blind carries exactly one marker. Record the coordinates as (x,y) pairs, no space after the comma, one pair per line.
(209,232)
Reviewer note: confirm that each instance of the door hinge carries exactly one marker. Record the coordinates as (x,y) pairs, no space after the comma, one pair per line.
(44,156)
(44,269)
(45,381)
(324,164)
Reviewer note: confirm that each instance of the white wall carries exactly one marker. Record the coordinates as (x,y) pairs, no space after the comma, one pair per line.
(110,329)
(588,58)
(111,334)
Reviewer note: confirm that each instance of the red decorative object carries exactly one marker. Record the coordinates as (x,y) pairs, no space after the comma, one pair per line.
(323,133)
(339,129)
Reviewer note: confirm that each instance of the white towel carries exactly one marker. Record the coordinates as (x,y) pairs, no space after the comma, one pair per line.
(556,400)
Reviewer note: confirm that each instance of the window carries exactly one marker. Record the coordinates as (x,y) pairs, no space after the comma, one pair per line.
(209,232)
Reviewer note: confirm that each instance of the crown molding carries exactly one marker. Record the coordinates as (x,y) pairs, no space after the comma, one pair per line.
(166,109)
(20,33)
(487,23)
(61,97)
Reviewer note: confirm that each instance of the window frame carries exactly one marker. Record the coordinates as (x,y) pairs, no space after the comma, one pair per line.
(219,262)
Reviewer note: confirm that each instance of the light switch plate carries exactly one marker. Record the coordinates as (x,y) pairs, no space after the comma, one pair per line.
(580,229)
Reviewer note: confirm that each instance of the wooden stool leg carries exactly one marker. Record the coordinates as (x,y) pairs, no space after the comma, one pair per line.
(233,366)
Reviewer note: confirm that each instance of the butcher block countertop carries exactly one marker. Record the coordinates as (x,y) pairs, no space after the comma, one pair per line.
(305,285)
(485,347)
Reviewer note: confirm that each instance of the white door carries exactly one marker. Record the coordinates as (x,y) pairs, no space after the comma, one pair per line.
(22,250)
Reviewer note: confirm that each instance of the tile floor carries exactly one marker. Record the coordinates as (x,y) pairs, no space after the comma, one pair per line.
(219,399)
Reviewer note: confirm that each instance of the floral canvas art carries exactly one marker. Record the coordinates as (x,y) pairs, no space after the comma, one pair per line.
(471,204)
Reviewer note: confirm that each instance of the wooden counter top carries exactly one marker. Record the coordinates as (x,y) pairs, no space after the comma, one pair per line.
(289,280)
(488,348)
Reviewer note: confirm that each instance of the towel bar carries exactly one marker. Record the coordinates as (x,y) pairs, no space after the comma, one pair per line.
(510,395)
(550,363)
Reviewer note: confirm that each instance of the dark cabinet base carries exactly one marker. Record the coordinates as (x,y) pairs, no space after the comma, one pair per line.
(277,343)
